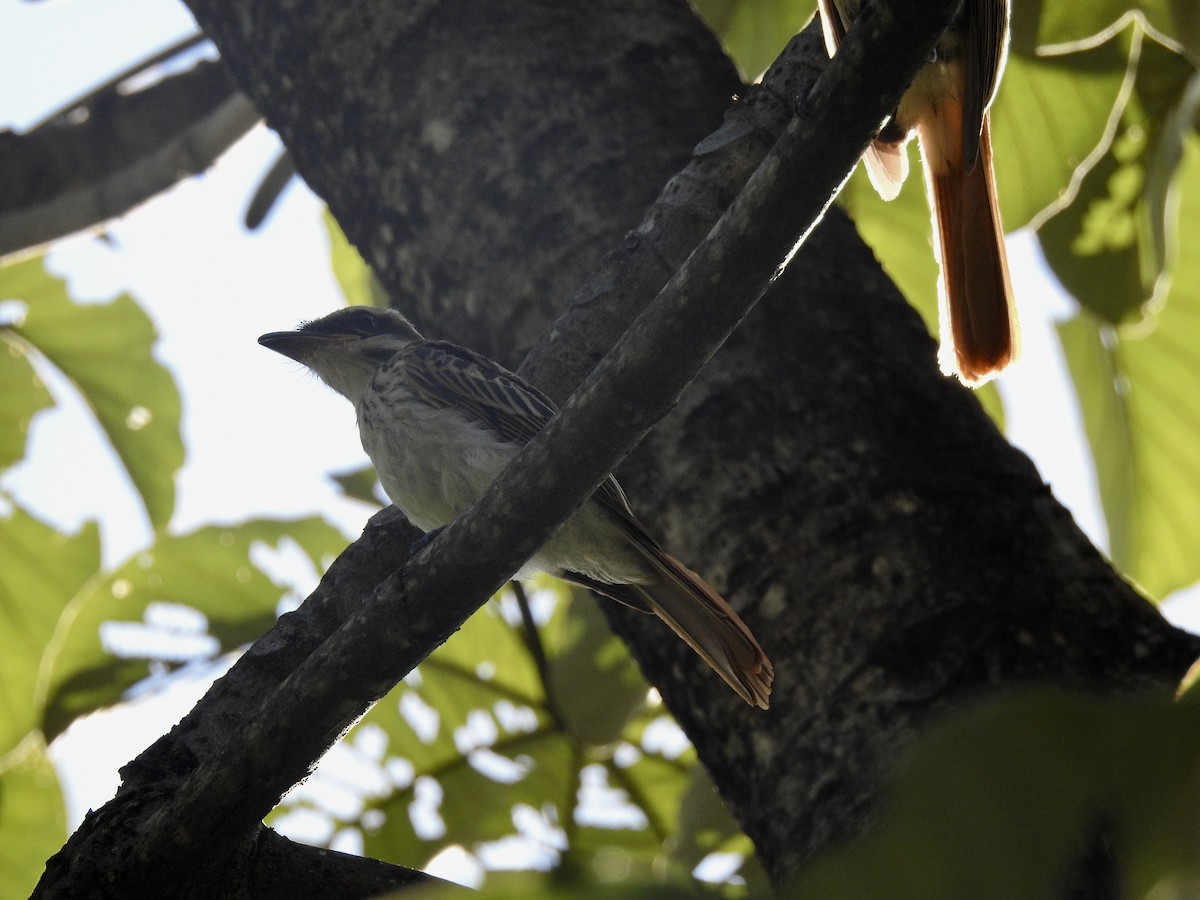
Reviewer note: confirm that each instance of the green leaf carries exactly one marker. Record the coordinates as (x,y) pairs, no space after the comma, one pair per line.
(23,396)
(754,32)
(359,285)
(1139,391)
(358,484)
(40,571)
(597,687)
(1039,23)
(1186,17)
(481,691)
(105,350)
(33,820)
(1087,347)
(1000,801)
(1168,100)
(706,826)
(900,233)
(1109,245)
(1092,245)
(1051,115)
(211,570)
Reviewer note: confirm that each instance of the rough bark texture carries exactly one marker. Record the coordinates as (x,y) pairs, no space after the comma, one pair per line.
(895,555)
(482,156)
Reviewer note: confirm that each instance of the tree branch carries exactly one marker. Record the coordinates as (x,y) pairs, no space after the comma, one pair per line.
(110,151)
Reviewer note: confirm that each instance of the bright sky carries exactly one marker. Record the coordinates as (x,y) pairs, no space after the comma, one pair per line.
(212,289)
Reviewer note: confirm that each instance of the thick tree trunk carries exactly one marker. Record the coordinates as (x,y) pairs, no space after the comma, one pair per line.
(894,553)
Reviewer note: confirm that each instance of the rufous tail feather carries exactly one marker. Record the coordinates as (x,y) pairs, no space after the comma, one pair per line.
(709,625)
(979,323)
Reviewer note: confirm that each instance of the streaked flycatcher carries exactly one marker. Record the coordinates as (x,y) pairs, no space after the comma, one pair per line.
(440,422)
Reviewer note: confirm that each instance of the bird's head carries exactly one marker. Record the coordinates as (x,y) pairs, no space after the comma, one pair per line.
(345,348)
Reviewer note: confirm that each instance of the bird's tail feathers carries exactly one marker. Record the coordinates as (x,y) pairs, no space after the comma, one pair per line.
(979,322)
(709,625)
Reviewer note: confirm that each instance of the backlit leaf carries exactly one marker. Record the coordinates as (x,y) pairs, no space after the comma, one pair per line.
(1139,389)
(753,32)
(32,820)
(41,572)
(23,395)
(188,597)
(1109,245)
(106,352)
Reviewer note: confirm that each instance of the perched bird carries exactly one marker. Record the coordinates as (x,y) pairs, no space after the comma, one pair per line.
(947,105)
(440,422)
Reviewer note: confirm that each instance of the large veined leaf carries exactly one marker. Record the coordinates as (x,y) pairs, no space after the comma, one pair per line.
(753,32)
(1139,390)
(105,350)
(1000,802)
(899,232)
(1092,245)
(187,597)
(1088,345)
(1176,102)
(1050,116)
(499,735)
(22,397)
(41,569)
(1037,23)
(33,819)
(1108,247)
(595,686)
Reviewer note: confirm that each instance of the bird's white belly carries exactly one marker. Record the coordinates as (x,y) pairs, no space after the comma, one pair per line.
(437,463)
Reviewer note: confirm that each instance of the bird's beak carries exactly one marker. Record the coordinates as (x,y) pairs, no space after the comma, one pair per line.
(299,345)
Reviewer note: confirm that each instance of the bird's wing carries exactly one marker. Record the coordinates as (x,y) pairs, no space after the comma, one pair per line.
(500,400)
(453,376)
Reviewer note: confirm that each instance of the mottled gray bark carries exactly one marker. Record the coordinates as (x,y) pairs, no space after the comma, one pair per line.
(894,554)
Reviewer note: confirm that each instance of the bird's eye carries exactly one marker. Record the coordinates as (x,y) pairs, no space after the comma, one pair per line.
(365,323)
